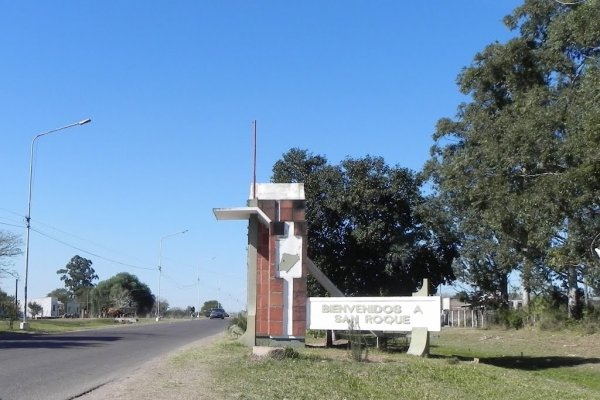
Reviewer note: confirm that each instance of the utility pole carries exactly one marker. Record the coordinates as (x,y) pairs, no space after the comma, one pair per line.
(199,305)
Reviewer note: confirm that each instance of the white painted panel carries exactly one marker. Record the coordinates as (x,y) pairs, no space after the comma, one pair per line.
(278,191)
(395,314)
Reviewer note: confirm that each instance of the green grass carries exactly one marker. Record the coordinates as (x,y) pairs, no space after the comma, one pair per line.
(63,325)
(464,364)
(547,369)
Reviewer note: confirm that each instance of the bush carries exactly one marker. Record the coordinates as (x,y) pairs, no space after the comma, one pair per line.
(513,318)
(316,334)
(358,349)
(285,353)
(240,321)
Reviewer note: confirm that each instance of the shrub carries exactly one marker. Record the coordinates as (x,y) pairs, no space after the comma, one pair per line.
(240,321)
(358,349)
(513,318)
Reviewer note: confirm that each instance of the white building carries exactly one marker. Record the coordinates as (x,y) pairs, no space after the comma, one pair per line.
(50,307)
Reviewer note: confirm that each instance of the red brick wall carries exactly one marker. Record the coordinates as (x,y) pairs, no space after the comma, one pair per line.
(269,291)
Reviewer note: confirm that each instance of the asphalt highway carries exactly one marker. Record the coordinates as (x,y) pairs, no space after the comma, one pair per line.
(65,366)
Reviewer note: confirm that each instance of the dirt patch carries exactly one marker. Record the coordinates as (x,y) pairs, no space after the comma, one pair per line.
(160,379)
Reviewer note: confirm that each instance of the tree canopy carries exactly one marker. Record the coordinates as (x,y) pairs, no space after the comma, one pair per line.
(368,229)
(123,290)
(78,275)
(62,294)
(517,168)
(207,306)
(10,246)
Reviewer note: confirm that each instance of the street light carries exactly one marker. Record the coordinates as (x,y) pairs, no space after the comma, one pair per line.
(200,305)
(160,270)
(24,324)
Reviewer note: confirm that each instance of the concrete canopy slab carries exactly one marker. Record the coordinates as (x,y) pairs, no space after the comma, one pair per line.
(241,213)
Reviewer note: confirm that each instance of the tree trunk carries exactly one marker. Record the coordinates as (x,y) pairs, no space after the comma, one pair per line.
(504,289)
(526,284)
(573,295)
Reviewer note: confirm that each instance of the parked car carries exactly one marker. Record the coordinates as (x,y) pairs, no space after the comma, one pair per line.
(217,313)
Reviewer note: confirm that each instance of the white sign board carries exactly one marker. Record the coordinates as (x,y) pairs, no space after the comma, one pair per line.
(395,314)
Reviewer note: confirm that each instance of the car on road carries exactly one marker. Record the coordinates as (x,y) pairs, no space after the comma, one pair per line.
(217,313)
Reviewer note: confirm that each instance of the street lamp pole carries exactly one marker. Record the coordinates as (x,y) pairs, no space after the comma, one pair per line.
(160,270)
(24,324)
(199,305)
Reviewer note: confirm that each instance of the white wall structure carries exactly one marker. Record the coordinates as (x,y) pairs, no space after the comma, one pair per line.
(393,314)
(50,307)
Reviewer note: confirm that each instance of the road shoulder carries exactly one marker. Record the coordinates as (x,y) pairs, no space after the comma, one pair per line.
(160,379)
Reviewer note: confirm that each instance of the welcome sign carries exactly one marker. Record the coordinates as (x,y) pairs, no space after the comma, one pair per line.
(394,314)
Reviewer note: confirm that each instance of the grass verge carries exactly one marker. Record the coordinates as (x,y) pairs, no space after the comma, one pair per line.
(64,325)
(465,364)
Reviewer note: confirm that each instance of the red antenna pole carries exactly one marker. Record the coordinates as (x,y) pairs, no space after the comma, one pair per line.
(254,166)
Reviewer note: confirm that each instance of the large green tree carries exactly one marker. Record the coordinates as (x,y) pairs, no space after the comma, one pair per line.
(7,304)
(207,306)
(518,166)
(122,290)
(34,308)
(62,294)
(78,276)
(367,230)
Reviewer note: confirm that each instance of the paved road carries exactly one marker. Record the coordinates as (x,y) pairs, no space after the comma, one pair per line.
(64,366)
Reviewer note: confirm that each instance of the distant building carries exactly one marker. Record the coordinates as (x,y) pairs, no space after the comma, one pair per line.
(50,307)
(449,303)
(71,308)
(515,304)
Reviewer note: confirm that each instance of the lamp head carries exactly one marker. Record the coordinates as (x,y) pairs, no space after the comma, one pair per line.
(597,250)
(85,121)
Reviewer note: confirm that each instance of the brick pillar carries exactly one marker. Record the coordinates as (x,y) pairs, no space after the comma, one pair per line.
(276,263)
(281,276)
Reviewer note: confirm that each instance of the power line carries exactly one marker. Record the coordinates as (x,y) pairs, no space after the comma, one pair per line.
(178,285)
(64,233)
(12,212)
(73,235)
(16,226)
(91,253)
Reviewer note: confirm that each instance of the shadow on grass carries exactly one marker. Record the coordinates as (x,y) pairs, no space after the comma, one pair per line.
(526,363)
(36,340)
(537,363)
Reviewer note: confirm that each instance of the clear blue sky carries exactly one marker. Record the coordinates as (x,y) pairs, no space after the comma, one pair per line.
(172,89)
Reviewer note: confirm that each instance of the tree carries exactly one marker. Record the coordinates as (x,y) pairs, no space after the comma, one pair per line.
(9,247)
(207,306)
(122,290)
(7,303)
(8,308)
(367,225)
(78,276)
(176,312)
(164,307)
(517,160)
(34,309)
(63,295)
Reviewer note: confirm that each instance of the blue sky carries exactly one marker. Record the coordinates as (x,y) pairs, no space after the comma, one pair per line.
(172,89)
